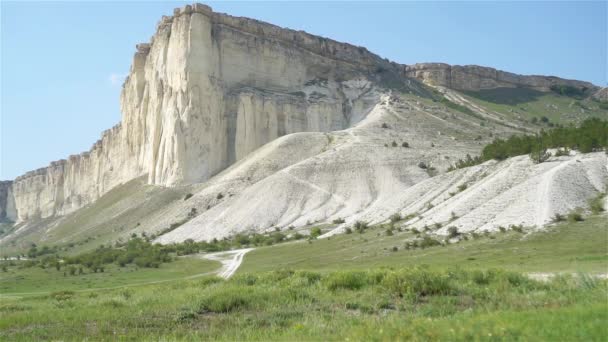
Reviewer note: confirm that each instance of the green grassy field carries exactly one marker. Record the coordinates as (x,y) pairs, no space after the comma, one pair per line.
(34,280)
(379,305)
(348,287)
(567,247)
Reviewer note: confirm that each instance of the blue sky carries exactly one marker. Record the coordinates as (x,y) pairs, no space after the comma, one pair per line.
(62,63)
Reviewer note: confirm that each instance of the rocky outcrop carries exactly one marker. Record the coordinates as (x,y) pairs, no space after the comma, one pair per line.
(475,78)
(601,95)
(204,92)
(7,202)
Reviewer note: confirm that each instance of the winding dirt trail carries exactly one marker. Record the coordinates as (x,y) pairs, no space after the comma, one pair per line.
(231,260)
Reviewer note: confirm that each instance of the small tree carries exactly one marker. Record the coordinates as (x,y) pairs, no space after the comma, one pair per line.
(315,232)
(453,232)
(396,217)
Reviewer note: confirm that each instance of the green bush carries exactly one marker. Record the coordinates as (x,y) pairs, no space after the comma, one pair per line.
(229,299)
(315,232)
(396,217)
(419,282)
(351,280)
(575,217)
(453,232)
(558,218)
(360,226)
(596,205)
(427,241)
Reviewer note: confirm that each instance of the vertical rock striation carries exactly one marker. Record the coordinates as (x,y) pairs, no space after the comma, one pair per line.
(204,92)
(7,202)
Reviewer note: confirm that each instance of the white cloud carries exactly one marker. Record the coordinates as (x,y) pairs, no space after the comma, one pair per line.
(116,78)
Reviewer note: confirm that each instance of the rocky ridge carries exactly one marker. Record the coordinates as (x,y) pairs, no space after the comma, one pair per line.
(475,78)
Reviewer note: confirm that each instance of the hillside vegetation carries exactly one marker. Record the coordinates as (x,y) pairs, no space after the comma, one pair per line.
(405,304)
(591,135)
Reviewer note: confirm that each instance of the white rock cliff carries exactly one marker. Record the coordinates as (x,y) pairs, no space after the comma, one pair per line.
(209,89)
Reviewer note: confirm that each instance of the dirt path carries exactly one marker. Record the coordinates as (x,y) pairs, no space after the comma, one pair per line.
(230,260)
(546,276)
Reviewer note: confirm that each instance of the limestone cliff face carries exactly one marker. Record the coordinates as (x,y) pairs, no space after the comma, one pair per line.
(204,92)
(209,89)
(7,202)
(473,77)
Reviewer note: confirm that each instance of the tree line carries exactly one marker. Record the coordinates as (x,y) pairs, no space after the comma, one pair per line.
(590,136)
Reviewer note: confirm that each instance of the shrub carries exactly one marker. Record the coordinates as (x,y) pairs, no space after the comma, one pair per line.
(453,216)
(482,277)
(394,143)
(453,232)
(539,155)
(187,196)
(422,165)
(427,241)
(384,125)
(462,187)
(405,144)
(360,226)
(338,221)
(502,229)
(418,283)
(558,217)
(315,232)
(396,217)
(519,229)
(348,230)
(575,217)
(596,204)
(220,196)
(224,300)
(389,232)
(350,280)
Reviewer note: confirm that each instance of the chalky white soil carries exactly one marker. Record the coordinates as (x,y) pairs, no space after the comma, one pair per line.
(356,174)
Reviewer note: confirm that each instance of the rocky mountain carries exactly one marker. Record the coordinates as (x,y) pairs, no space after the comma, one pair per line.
(268,127)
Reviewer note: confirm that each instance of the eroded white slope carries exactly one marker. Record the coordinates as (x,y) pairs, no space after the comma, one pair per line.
(512,192)
(317,177)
